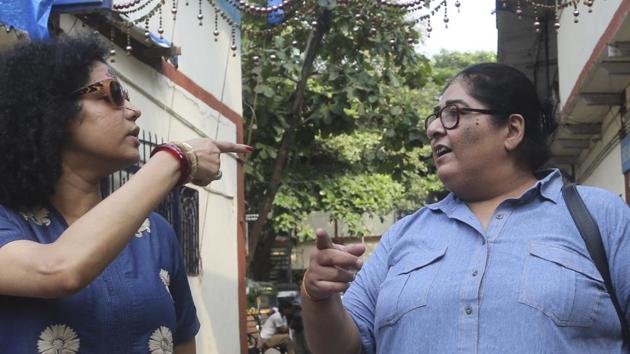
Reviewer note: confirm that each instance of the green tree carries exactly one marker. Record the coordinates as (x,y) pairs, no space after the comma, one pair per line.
(344,134)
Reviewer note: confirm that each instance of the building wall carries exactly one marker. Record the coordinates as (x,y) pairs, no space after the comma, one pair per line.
(600,165)
(174,113)
(576,41)
(210,64)
(374,224)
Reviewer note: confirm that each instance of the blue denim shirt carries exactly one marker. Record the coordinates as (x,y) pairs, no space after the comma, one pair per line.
(439,283)
(140,303)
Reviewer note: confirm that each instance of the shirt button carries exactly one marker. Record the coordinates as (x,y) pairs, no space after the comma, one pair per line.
(474,273)
(468,310)
(499,216)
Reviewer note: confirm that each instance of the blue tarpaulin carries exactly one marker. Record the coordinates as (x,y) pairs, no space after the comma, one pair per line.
(28,15)
(277,16)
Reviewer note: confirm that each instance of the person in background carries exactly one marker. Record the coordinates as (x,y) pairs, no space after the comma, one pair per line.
(276,332)
(82,273)
(498,265)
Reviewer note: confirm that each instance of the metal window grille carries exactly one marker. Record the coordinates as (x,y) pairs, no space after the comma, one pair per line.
(180,207)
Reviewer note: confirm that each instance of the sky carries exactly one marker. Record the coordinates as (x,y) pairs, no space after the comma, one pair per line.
(473,28)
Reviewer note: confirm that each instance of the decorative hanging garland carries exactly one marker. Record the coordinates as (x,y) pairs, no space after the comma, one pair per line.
(296,10)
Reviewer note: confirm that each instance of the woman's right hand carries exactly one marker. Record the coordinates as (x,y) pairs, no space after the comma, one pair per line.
(332,267)
(208,153)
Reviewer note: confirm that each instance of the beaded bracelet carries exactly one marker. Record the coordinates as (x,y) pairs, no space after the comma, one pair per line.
(180,156)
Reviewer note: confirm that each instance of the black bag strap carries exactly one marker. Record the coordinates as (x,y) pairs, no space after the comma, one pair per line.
(593,239)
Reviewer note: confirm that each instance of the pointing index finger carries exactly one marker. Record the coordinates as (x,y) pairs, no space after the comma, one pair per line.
(226,146)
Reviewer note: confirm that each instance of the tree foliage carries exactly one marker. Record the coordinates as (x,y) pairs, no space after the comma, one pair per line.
(360,146)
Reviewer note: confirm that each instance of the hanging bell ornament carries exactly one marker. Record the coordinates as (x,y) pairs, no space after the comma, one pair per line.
(160,30)
(410,40)
(294,43)
(256,59)
(457,5)
(313,23)
(357,17)
(174,10)
(519,13)
(537,25)
(392,41)
(273,57)
(576,13)
(556,25)
(373,31)
(128,48)
(112,52)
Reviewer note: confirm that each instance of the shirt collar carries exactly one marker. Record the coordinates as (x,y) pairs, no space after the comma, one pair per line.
(548,186)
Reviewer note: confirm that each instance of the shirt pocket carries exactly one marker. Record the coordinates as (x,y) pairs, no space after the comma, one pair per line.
(561,283)
(407,285)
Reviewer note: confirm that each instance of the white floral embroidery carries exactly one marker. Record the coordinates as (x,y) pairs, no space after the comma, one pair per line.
(58,339)
(166,279)
(161,341)
(40,216)
(146,226)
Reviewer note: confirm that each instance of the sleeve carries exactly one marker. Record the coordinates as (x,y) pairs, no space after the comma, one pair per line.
(187,322)
(360,299)
(9,228)
(613,218)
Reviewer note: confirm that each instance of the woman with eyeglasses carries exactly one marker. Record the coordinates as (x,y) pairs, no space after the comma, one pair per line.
(498,265)
(79,273)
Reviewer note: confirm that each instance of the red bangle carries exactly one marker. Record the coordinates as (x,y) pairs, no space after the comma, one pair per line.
(180,156)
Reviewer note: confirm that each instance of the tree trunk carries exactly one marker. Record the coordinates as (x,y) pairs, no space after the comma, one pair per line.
(265,204)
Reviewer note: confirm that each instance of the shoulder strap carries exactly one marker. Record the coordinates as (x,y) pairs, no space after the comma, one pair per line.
(592,238)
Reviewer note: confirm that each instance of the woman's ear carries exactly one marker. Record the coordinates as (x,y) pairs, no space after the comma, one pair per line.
(515,133)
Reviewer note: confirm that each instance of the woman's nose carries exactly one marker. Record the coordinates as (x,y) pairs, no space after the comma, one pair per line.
(435,127)
(135,112)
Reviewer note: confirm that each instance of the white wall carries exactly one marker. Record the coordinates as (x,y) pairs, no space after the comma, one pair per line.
(174,114)
(374,224)
(576,41)
(210,64)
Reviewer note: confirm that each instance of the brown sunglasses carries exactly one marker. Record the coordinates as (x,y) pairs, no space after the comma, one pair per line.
(110,88)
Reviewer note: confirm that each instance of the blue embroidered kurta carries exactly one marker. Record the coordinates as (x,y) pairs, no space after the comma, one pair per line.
(141,303)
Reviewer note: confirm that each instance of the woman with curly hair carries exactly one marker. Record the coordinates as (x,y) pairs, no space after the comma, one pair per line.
(81,273)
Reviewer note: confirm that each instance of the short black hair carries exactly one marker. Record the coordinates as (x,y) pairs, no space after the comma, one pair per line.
(36,109)
(506,89)
(284,304)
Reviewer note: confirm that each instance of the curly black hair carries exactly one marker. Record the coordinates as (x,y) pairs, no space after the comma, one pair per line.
(36,109)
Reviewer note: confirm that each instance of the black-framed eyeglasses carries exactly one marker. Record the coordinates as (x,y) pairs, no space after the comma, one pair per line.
(110,88)
(449,115)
